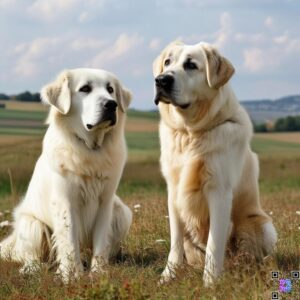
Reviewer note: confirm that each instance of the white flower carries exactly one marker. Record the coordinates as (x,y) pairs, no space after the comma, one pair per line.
(137,206)
(270,213)
(5,224)
(298,212)
(136,210)
(160,241)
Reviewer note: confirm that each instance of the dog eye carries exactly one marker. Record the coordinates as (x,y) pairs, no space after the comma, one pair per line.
(110,89)
(188,65)
(167,62)
(85,89)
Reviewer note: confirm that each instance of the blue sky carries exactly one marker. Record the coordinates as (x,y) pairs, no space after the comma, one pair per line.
(39,38)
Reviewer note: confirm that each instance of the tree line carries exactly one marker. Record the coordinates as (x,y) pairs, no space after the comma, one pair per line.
(25,96)
(290,123)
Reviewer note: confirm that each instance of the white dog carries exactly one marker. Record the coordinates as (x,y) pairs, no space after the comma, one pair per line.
(211,172)
(71,202)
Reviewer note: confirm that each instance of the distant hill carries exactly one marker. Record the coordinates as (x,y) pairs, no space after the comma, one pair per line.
(263,110)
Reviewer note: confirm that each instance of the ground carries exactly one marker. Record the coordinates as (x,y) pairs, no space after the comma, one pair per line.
(135,273)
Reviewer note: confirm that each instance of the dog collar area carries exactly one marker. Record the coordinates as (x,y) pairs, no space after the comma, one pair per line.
(95,146)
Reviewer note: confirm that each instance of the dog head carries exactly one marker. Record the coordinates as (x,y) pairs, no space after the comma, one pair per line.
(89,96)
(185,74)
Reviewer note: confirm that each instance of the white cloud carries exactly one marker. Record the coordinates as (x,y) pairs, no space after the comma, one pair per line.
(29,55)
(83,17)
(250,38)
(154,44)
(84,43)
(6,3)
(225,31)
(257,59)
(269,22)
(50,9)
(123,45)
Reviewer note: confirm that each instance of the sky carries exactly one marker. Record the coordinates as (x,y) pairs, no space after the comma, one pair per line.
(39,38)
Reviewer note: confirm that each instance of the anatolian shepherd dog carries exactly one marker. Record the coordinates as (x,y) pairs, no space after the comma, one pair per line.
(210,170)
(71,202)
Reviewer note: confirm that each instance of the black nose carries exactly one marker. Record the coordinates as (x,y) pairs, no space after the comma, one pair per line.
(89,126)
(164,81)
(111,105)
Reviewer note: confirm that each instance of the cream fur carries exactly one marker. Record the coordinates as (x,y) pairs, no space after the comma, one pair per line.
(210,170)
(71,203)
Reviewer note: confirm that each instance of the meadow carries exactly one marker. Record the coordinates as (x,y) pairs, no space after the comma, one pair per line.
(135,272)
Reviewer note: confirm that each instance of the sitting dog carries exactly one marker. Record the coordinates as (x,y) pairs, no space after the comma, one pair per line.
(71,201)
(210,170)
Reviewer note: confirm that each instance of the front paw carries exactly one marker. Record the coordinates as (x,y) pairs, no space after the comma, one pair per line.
(167,275)
(208,278)
(69,273)
(30,268)
(98,264)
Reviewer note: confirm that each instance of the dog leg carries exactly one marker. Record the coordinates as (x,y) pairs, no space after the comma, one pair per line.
(102,234)
(66,242)
(175,257)
(219,204)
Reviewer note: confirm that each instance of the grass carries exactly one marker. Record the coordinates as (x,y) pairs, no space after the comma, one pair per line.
(134,274)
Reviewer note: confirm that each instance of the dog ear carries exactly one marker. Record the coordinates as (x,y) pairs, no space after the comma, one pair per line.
(58,93)
(218,68)
(123,97)
(158,63)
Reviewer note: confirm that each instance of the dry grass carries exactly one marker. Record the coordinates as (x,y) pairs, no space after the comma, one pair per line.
(26,106)
(134,274)
(291,137)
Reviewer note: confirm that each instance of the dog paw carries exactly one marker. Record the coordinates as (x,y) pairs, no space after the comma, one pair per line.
(68,274)
(30,268)
(167,275)
(208,279)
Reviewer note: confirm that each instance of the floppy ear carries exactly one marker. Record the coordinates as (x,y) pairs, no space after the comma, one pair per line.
(218,68)
(58,93)
(158,62)
(123,97)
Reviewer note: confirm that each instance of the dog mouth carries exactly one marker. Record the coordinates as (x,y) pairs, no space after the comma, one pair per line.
(162,97)
(108,120)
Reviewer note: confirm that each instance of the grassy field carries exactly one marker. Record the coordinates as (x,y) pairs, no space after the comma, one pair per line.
(134,274)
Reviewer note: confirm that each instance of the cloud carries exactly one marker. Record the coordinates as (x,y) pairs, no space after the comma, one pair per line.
(50,9)
(269,22)
(87,43)
(83,17)
(154,44)
(31,54)
(6,3)
(122,46)
(225,31)
(250,38)
(254,59)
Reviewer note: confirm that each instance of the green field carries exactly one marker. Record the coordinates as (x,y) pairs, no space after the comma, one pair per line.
(135,273)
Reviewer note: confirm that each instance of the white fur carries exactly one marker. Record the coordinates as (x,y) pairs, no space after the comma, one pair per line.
(71,202)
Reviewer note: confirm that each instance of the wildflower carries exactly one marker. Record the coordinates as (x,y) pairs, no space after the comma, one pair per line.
(160,241)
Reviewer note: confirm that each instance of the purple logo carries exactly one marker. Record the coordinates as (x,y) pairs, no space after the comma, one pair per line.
(285,285)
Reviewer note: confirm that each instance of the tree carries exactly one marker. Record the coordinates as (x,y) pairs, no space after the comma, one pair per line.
(4,97)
